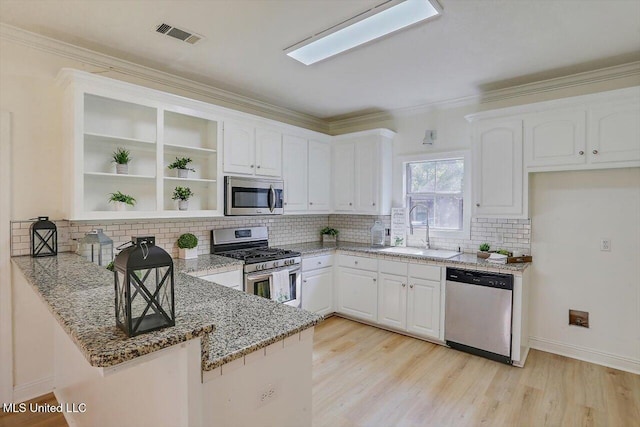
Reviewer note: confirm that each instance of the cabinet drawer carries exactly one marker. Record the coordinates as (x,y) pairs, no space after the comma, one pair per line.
(393,267)
(423,271)
(362,263)
(316,262)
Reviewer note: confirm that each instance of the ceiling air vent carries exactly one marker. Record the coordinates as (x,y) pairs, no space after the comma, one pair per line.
(177,33)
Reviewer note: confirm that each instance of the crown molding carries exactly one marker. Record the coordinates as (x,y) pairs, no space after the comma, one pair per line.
(631,69)
(110,63)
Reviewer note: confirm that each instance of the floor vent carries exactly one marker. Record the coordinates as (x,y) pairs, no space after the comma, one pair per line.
(177,33)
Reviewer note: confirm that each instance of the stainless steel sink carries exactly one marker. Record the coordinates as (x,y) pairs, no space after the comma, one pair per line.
(431,253)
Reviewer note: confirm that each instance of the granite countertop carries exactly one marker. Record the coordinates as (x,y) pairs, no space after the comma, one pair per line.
(231,323)
(463,260)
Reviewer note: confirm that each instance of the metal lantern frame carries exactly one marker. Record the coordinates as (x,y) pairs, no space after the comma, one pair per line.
(44,238)
(97,244)
(144,284)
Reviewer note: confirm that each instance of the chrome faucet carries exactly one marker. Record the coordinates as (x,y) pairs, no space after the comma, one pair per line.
(427,245)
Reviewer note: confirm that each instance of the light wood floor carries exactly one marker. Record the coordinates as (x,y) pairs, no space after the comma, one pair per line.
(364,376)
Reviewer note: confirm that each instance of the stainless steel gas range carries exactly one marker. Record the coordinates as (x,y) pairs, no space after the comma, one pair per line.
(268,272)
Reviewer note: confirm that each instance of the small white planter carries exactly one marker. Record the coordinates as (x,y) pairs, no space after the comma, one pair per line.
(188,253)
(183,205)
(326,238)
(183,173)
(121,206)
(122,169)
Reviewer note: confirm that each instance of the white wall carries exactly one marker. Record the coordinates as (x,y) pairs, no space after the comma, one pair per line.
(570,213)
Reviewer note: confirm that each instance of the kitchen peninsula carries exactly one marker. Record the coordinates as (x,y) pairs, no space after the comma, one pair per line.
(231,358)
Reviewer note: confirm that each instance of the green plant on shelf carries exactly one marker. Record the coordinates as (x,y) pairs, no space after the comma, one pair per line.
(485,247)
(181,163)
(121,197)
(182,193)
(187,241)
(121,156)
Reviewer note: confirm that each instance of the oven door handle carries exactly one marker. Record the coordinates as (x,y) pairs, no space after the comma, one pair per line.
(266,273)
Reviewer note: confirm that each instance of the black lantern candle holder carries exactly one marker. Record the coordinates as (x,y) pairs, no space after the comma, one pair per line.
(144,285)
(44,238)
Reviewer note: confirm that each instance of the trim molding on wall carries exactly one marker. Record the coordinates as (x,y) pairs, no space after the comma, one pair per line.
(110,63)
(331,126)
(33,389)
(586,354)
(6,324)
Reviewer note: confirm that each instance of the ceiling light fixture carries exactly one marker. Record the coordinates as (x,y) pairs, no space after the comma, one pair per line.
(376,22)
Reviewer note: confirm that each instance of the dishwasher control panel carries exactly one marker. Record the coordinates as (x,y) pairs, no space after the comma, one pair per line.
(482,278)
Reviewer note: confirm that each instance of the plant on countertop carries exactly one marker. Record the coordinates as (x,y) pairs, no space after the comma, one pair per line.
(187,241)
(110,266)
(485,247)
(182,193)
(329,231)
(504,252)
(121,156)
(120,197)
(181,163)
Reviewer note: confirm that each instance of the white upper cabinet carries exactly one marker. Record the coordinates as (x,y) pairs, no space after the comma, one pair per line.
(294,173)
(343,165)
(252,151)
(362,172)
(239,148)
(614,131)
(555,138)
(268,152)
(319,176)
(498,174)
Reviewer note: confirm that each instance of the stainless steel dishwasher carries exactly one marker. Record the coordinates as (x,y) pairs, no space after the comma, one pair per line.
(478,313)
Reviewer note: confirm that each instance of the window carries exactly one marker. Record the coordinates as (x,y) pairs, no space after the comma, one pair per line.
(436,189)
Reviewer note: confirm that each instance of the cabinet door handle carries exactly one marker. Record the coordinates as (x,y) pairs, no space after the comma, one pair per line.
(411,286)
(350,203)
(375,280)
(581,153)
(304,281)
(356,262)
(404,285)
(373,204)
(310,203)
(258,166)
(319,262)
(285,203)
(478,205)
(595,151)
(251,166)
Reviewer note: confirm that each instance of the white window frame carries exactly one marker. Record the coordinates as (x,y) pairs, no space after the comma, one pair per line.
(465,233)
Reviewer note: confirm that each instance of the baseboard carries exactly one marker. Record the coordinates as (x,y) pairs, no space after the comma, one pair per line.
(32,389)
(586,354)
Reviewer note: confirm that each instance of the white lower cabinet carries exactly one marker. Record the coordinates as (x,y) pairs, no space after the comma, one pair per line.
(357,289)
(317,291)
(317,284)
(410,301)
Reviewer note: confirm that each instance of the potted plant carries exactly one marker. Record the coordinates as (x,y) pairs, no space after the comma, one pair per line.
(187,246)
(181,165)
(182,195)
(329,235)
(121,200)
(121,157)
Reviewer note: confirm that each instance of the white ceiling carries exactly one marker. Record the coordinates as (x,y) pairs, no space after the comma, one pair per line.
(474,46)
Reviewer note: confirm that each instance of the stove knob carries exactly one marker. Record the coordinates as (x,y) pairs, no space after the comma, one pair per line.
(275,263)
(264,266)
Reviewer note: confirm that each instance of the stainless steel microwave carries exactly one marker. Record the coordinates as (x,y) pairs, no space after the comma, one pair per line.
(252,196)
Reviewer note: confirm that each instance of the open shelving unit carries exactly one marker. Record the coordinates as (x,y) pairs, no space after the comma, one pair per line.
(155,127)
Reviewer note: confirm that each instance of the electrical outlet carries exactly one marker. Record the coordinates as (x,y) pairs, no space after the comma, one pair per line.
(579,318)
(267,395)
(605,244)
